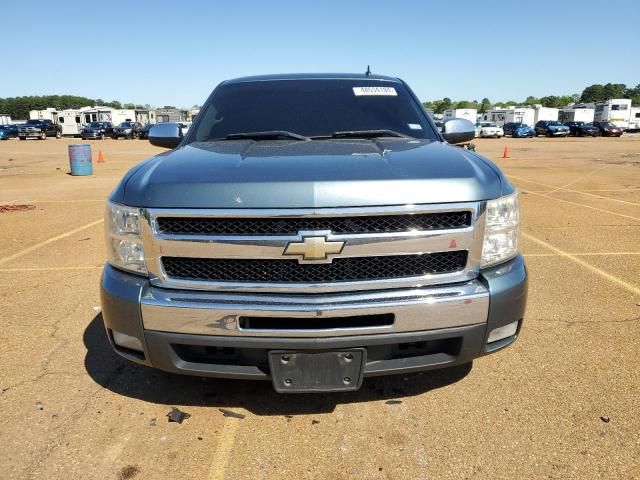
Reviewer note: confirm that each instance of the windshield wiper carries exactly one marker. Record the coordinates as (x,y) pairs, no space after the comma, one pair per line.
(364,134)
(266,135)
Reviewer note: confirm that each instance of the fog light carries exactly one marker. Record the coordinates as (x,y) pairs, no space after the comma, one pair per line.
(503,332)
(127,341)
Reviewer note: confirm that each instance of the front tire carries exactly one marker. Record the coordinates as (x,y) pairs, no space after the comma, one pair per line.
(43,136)
(58,134)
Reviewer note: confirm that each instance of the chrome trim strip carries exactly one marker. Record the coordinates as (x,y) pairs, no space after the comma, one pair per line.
(218,314)
(157,245)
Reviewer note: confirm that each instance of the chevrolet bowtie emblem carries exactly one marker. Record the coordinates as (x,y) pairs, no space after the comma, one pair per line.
(314,248)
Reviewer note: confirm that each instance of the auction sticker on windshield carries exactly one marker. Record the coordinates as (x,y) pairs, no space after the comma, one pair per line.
(384,91)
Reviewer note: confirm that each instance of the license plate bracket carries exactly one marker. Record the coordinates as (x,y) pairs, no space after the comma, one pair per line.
(324,371)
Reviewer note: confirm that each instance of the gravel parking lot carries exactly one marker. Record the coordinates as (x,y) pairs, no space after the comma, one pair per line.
(562,402)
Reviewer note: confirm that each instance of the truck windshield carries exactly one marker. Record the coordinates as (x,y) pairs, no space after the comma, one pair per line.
(312,108)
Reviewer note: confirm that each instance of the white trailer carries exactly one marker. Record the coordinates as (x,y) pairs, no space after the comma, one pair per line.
(466,113)
(615,110)
(545,113)
(573,114)
(47,114)
(5,119)
(634,118)
(71,122)
(500,116)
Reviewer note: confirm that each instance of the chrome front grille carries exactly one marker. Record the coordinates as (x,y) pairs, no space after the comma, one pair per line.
(293,225)
(243,250)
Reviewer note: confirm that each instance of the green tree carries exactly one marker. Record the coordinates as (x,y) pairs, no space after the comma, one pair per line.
(593,93)
(614,90)
(485,105)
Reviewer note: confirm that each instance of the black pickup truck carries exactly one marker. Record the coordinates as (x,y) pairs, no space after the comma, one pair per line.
(40,129)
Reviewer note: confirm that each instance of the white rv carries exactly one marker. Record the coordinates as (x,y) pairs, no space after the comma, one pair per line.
(466,113)
(545,113)
(47,114)
(71,122)
(500,116)
(573,114)
(615,110)
(634,118)
(5,119)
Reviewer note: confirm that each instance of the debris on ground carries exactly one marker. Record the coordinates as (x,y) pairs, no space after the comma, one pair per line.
(177,416)
(229,413)
(39,405)
(152,423)
(128,472)
(393,402)
(605,419)
(15,208)
(315,422)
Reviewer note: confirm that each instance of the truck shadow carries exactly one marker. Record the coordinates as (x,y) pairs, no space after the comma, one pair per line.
(136,381)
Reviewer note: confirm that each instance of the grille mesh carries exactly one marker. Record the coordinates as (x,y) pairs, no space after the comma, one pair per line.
(341,269)
(292,225)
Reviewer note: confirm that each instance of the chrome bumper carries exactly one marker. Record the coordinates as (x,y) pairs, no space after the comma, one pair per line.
(415,309)
(497,298)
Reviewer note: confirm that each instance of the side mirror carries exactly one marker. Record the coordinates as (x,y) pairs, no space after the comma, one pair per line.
(458,130)
(165,135)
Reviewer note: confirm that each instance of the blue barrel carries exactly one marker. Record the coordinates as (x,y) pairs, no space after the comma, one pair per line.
(80,159)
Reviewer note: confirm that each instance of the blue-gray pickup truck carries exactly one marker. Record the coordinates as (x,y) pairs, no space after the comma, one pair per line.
(312,230)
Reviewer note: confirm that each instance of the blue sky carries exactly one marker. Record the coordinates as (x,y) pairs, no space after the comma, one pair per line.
(176,52)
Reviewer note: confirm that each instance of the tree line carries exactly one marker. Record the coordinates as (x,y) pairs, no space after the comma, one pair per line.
(592,93)
(19,107)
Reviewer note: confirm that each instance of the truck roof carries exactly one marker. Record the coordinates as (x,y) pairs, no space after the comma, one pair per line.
(312,76)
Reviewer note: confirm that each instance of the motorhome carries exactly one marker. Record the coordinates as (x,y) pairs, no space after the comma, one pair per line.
(615,110)
(545,113)
(71,121)
(634,118)
(500,116)
(574,114)
(466,113)
(46,114)
(5,119)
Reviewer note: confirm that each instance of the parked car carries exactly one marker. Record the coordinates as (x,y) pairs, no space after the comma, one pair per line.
(127,130)
(582,129)
(522,130)
(97,130)
(551,128)
(488,129)
(210,269)
(510,127)
(143,133)
(608,129)
(9,131)
(40,129)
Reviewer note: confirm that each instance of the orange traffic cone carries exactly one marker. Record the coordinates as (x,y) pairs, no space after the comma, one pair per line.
(505,154)
(100,157)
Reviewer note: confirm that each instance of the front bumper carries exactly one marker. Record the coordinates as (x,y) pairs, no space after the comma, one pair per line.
(200,333)
(84,135)
(118,134)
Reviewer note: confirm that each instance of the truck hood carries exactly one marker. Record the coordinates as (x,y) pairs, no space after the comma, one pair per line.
(311,174)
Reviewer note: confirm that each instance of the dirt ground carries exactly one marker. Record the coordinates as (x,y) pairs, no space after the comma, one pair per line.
(561,403)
